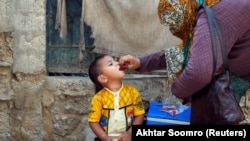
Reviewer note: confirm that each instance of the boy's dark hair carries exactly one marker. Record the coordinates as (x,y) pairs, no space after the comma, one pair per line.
(94,71)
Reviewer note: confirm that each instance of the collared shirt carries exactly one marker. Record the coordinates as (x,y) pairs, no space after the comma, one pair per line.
(115,110)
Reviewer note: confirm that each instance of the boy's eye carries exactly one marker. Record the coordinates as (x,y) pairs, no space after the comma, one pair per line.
(110,64)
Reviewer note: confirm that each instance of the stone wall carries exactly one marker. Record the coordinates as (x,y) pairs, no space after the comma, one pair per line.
(37,107)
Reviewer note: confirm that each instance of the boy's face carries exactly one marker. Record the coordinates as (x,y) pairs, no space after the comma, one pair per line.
(110,68)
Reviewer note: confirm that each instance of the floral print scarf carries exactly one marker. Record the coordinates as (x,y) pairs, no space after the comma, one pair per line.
(180,17)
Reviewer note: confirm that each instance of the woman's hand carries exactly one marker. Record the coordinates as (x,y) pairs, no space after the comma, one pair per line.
(129,62)
(186,102)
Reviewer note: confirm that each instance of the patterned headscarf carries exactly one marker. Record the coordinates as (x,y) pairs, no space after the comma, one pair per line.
(180,16)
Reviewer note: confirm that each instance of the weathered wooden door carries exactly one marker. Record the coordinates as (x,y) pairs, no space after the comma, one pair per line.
(62,55)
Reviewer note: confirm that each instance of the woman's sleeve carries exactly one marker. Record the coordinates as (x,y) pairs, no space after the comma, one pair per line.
(154,61)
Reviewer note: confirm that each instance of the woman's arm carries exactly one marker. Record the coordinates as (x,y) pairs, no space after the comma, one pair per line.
(154,61)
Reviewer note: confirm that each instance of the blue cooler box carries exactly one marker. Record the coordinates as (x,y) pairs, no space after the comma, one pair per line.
(157,117)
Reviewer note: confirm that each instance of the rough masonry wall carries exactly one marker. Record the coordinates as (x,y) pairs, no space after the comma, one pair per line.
(34,106)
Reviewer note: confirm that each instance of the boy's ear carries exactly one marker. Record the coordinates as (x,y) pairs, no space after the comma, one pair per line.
(102,79)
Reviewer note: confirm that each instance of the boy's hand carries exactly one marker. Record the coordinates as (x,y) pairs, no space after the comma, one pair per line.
(125,137)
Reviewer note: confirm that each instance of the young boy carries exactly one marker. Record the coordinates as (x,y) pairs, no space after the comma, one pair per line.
(116,106)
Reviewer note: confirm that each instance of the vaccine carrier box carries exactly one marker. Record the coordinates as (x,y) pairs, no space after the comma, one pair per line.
(155,115)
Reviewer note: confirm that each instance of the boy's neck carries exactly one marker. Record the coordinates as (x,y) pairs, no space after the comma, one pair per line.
(114,87)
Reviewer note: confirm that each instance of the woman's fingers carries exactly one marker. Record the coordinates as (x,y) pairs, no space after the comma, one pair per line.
(129,62)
